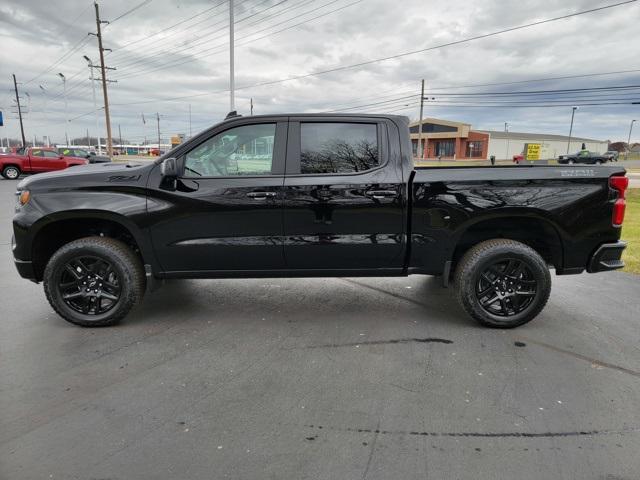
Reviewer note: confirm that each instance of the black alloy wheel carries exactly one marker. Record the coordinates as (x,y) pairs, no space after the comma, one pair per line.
(502,283)
(94,281)
(89,285)
(506,288)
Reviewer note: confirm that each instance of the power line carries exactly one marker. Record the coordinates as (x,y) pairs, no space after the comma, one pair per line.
(536,92)
(73,49)
(140,5)
(161,44)
(160,49)
(169,27)
(212,51)
(403,54)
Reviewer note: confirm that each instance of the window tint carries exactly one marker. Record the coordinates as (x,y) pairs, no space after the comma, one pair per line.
(50,154)
(246,150)
(338,147)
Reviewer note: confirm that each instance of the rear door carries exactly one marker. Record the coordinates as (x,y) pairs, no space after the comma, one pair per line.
(343,196)
(226,212)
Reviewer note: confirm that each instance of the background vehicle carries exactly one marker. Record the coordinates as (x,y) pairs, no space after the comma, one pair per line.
(35,160)
(611,155)
(82,153)
(583,156)
(314,195)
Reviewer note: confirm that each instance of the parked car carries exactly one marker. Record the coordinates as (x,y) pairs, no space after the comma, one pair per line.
(518,158)
(82,153)
(611,155)
(583,156)
(313,195)
(35,160)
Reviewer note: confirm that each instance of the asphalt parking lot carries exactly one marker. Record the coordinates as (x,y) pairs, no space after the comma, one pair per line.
(376,378)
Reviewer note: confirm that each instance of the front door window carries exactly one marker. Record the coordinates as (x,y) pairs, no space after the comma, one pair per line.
(239,151)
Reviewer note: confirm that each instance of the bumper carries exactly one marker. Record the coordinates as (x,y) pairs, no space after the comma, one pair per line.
(607,257)
(25,269)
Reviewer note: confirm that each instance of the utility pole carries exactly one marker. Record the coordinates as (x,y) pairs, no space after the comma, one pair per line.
(506,129)
(88,139)
(15,87)
(573,112)
(232,80)
(251,106)
(103,71)
(119,136)
(420,150)
(158,119)
(629,139)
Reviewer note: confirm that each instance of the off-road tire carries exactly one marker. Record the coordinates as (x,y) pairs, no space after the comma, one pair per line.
(477,259)
(126,264)
(11,172)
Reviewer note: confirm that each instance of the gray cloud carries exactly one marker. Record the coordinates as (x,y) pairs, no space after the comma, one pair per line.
(193,59)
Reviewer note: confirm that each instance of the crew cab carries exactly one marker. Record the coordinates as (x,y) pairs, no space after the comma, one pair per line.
(307,196)
(35,160)
(584,156)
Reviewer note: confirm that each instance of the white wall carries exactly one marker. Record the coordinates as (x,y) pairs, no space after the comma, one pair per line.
(506,148)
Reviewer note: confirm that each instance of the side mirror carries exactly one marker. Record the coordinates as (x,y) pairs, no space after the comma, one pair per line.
(60,157)
(169,168)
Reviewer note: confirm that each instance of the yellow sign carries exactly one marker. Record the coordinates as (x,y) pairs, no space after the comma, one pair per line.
(532,151)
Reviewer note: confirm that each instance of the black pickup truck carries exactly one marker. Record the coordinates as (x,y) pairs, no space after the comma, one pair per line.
(584,156)
(313,195)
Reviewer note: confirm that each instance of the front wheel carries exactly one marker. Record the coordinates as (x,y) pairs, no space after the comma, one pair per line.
(502,283)
(11,172)
(94,281)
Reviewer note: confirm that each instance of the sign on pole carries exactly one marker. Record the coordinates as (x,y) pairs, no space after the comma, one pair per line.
(1,119)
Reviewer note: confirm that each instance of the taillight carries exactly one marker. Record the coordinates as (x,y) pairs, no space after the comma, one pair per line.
(620,185)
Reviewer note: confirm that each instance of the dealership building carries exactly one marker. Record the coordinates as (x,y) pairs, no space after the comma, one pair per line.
(450,140)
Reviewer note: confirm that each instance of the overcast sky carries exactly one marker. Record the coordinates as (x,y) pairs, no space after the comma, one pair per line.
(156,60)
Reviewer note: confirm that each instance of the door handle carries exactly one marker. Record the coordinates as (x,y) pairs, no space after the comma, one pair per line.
(381,193)
(261,195)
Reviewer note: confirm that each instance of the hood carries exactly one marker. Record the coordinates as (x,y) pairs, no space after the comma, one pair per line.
(90,175)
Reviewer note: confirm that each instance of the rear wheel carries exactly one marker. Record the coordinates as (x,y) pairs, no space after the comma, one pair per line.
(11,172)
(502,283)
(94,281)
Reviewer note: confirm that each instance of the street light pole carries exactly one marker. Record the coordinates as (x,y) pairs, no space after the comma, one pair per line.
(232,80)
(419,149)
(95,105)
(629,139)
(66,111)
(573,112)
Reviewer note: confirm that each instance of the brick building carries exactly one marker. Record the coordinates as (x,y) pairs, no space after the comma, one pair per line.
(449,140)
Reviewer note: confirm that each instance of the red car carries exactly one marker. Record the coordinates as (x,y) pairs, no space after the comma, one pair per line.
(36,160)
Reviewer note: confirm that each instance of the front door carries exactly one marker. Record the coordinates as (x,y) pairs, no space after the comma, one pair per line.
(225,213)
(46,161)
(343,193)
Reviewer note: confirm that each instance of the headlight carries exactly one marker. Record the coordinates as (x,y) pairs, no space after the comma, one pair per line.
(23,197)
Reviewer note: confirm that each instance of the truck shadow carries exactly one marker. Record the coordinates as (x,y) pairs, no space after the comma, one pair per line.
(298,299)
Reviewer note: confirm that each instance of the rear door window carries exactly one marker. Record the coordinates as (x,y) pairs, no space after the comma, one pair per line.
(327,147)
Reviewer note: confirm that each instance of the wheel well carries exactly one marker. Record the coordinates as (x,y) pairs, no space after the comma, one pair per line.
(536,233)
(56,234)
(11,165)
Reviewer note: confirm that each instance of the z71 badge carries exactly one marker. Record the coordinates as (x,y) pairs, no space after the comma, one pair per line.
(581,172)
(124,178)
